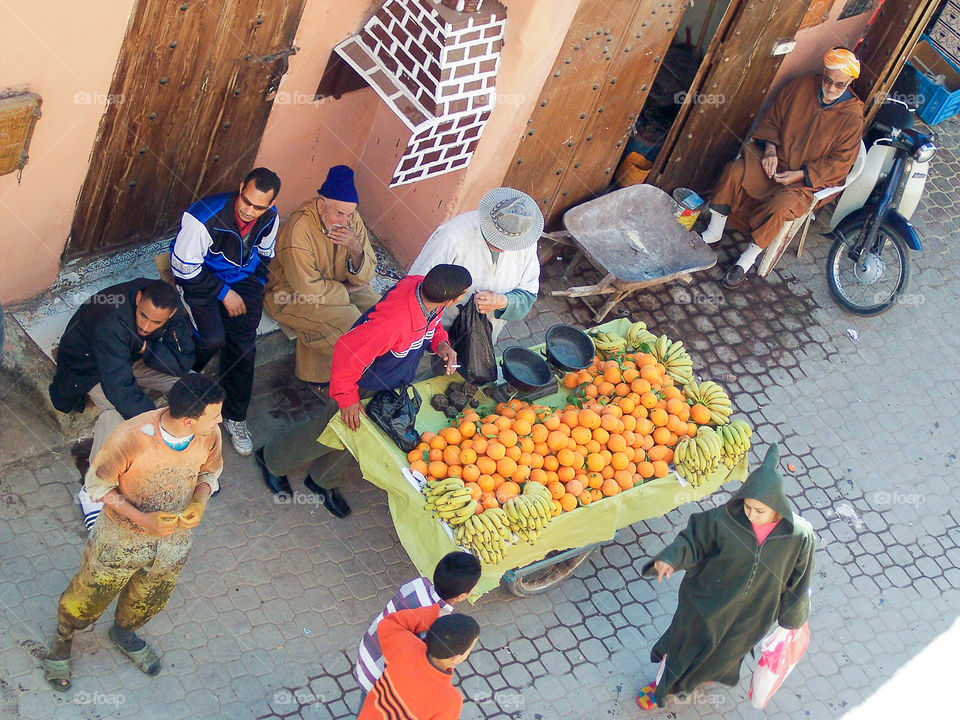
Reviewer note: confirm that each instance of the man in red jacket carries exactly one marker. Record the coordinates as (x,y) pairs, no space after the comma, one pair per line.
(416,683)
(384,347)
(381,351)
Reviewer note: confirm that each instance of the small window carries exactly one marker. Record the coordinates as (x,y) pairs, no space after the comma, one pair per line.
(855,7)
(339,78)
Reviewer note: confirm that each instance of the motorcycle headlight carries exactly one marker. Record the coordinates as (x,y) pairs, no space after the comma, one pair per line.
(925,152)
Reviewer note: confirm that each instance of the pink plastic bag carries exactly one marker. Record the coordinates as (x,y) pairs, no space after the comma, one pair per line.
(780,651)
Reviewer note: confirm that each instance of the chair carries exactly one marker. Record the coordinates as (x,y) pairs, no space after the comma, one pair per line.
(790,229)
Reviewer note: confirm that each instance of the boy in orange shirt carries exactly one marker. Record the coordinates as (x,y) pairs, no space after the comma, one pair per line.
(416,683)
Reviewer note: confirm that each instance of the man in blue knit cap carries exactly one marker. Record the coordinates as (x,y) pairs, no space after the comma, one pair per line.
(319,284)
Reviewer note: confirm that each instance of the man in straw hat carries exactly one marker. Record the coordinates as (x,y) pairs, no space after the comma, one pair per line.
(807,140)
(497,243)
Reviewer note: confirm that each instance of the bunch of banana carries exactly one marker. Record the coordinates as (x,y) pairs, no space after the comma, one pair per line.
(674,357)
(638,335)
(713,397)
(608,344)
(450,501)
(486,534)
(735,438)
(529,512)
(695,458)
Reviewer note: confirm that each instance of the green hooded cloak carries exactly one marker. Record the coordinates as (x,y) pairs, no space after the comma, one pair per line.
(733,590)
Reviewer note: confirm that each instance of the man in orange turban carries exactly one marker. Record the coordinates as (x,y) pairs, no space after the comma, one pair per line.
(805,141)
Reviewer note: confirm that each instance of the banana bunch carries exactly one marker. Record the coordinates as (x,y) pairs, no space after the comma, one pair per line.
(695,458)
(638,335)
(529,512)
(486,535)
(450,501)
(608,344)
(674,357)
(713,397)
(735,439)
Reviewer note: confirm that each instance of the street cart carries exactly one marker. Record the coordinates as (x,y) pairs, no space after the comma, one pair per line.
(632,237)
(567,539)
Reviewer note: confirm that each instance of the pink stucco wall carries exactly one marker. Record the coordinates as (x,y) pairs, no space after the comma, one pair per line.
(303,138)
(65,52)
(813,43)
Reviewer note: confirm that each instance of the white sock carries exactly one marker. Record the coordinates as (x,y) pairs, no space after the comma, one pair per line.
(714,231)
(749,256)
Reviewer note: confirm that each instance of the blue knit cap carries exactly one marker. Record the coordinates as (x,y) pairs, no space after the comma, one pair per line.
(339,184)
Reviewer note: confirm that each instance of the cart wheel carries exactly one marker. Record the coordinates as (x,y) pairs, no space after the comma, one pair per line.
(539,581)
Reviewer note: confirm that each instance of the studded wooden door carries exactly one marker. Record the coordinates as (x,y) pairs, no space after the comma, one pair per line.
(189,99)
(584,114)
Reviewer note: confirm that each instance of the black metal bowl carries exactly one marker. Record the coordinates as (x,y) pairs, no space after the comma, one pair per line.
(569,348)
(524,369)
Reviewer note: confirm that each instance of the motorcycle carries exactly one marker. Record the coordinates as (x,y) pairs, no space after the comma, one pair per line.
(868,264)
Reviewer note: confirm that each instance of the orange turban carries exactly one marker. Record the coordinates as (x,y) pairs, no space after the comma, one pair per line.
(842,60)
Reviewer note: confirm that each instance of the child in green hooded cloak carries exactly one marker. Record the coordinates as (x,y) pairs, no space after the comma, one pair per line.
(748,564)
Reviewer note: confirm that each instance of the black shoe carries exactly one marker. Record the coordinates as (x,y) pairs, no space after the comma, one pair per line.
(278,484)
(734,277)
(332,499)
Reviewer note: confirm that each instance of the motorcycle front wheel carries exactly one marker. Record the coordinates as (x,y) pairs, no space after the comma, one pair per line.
(872,286)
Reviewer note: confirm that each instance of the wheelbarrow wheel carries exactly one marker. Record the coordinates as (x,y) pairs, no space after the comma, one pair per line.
(541,580)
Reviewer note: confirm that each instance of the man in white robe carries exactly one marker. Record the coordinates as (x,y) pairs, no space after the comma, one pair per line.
(497,243)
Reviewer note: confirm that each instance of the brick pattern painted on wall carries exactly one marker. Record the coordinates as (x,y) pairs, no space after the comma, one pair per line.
(437,70)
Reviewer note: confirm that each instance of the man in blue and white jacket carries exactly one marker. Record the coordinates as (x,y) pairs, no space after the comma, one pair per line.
(220,260)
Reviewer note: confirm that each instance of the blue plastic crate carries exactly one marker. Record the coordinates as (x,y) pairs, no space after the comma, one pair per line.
(938,102)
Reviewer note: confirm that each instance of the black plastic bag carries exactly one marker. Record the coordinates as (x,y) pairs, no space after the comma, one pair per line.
(471,337)
(395,412)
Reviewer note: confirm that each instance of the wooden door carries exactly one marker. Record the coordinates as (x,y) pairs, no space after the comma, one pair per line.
(887,45)
(189,100)
(727,92)
(588,105)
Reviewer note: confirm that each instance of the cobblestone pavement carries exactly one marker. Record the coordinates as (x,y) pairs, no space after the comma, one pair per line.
(268,612)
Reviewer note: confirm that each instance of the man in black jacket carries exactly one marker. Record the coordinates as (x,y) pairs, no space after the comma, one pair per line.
(220,261)
(122,340)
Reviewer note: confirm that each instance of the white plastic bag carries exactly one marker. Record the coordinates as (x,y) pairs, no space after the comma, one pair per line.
(780,651)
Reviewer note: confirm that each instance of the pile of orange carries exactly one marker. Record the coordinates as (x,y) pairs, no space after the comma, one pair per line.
(627,418)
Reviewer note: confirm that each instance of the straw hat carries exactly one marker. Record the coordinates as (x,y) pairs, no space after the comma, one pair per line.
(510,219)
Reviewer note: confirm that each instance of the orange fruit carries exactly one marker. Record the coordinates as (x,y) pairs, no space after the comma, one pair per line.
(556,440)
(485,482)
(434,454)
(475,491)
(591,391)
(566,473)
(659,417)
(536,461)
(557,490)
(624,479)
(503,422)
(555,508)
(566,457)
(594,480)
(498,480)
(521,427)
(451,435)
(657,452)
(468,456)
(521,474)
(595,462)
(661,436)
(550,462)
(585,497)
(645,469)
(574,487)
(581,434)
(496,450)
(538,475)
(470,474)
(489,500)
(451,455)
(619,461)
(649,399)
(514,453)
(507,438)
(487,465)
(427,437)
(568,502)
(414,454)
(616,443)
(640,386)
(508,490)
(570,381)
(480,444)
(660,469)
(539,433)
(489,430)
(467,429)
(605,387)
(506,467)
(589,419)
(700,414)
(552,422)
(421,467)
(454,471)
(438,443)
(610,487)
(438,469)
